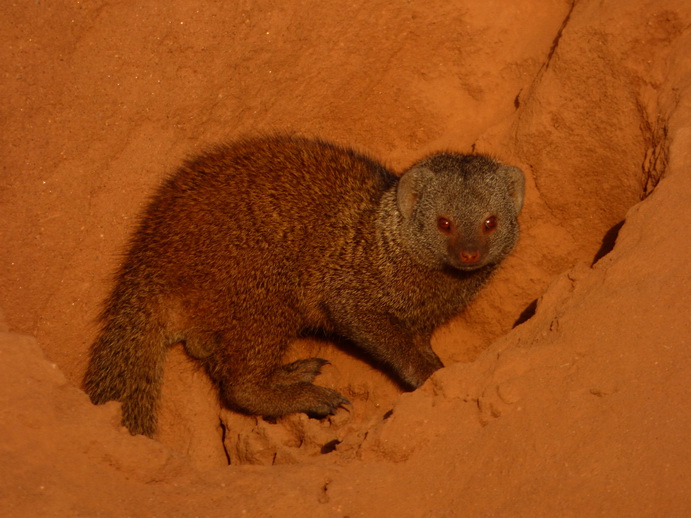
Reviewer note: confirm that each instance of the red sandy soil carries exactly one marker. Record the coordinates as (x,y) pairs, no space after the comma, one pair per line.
(583,409)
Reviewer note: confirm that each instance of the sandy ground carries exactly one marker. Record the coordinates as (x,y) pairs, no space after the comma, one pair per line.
(566,391)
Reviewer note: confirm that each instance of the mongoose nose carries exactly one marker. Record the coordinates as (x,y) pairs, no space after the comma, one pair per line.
(470,256)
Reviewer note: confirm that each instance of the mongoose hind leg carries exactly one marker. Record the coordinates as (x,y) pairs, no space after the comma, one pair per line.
(271,400)
(299,371)
(252,379)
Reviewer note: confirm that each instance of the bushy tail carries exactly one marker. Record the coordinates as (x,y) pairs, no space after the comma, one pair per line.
(127,362)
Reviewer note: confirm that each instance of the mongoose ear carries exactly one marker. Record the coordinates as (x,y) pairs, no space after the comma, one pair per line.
(409,187)
(516,182)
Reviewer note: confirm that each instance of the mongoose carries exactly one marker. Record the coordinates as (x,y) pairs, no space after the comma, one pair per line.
(262,240)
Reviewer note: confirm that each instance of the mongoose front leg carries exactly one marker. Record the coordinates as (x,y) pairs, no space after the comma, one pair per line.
(410,355)
(418,362)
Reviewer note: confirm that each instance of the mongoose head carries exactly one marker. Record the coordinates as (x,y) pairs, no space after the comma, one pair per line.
(460,210)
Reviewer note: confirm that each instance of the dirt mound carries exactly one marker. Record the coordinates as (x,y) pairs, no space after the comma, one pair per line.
(582,408)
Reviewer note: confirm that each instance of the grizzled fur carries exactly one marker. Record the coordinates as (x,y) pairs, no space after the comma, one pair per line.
(248,246)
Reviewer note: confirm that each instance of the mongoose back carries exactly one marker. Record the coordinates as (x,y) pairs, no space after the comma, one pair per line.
(256,242)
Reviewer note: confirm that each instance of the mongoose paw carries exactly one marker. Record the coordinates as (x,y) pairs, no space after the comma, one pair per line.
(326,402)
(416,374)
(300,371)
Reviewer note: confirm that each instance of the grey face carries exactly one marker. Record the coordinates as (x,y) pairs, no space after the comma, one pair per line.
(462,209)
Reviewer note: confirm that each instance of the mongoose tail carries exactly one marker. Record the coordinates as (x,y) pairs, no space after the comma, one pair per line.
(127,361)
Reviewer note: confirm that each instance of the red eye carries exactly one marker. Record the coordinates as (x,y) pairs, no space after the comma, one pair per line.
(490,224)
(444,225)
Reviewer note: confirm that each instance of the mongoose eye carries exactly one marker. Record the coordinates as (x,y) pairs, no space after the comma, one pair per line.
(444,225)
(490,224)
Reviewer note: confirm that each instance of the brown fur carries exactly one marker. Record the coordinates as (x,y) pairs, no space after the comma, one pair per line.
(248,246)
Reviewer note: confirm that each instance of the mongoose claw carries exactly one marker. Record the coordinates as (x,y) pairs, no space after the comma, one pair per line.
(330,402)
(345,403)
